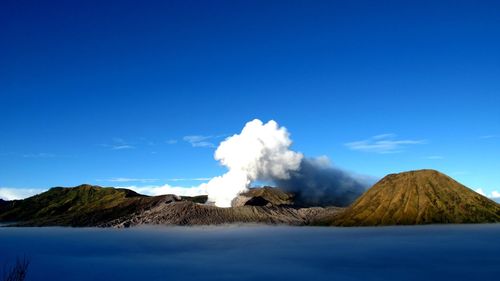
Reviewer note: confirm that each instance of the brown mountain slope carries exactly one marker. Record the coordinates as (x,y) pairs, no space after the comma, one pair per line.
(264,196)
(189,213)
(419,197)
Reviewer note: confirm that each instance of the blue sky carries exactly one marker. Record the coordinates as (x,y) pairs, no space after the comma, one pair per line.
(94,92)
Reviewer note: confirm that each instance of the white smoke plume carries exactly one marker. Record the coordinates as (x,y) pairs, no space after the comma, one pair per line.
(260,152)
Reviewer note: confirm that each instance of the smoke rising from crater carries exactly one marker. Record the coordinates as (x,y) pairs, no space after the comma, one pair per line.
(318,183)
(261,152)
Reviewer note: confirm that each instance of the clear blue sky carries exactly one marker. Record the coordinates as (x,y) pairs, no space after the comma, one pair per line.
(93,91)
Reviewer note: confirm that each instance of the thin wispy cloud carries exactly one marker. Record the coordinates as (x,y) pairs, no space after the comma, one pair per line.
(11,193)
(383,144)
(485,137)
(203,141)
(189,179)
(39,155)
(143,180)
(118,144)
(495,194)
(434,157)
(171,141)
(155,190)
(149,180)
(120,147)
(200,141)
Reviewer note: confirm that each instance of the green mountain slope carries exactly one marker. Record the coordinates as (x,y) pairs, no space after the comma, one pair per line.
(84,205)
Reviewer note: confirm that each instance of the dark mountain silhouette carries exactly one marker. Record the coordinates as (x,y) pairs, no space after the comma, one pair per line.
(419,197)
(4,204)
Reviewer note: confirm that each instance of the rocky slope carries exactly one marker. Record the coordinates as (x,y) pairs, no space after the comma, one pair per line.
(264,196)
(419,197)
(88,205)
(189,213)
(266,205)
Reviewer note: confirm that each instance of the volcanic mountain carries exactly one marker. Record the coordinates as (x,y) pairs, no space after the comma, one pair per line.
(88,205)
(419,197)
(416,197)
(264,196)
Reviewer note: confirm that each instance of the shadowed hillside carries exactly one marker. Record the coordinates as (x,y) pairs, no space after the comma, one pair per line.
(264,196)
(419,197)
(3,203)
(84,205)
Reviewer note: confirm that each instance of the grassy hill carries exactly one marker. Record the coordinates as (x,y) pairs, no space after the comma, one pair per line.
(419,197)
(83,205)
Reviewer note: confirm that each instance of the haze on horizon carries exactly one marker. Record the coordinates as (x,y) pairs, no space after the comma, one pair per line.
(120,94)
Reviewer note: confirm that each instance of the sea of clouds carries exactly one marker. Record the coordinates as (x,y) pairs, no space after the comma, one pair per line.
(454,252)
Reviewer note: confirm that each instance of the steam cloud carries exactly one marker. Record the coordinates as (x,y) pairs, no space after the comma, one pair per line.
(318,183)
(261,152)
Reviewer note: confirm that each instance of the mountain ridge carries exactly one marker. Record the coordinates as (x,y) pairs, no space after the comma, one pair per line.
(414,197)
(83,205)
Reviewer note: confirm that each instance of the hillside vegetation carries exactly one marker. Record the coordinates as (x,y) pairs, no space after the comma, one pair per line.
(419,197)
(84,205)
